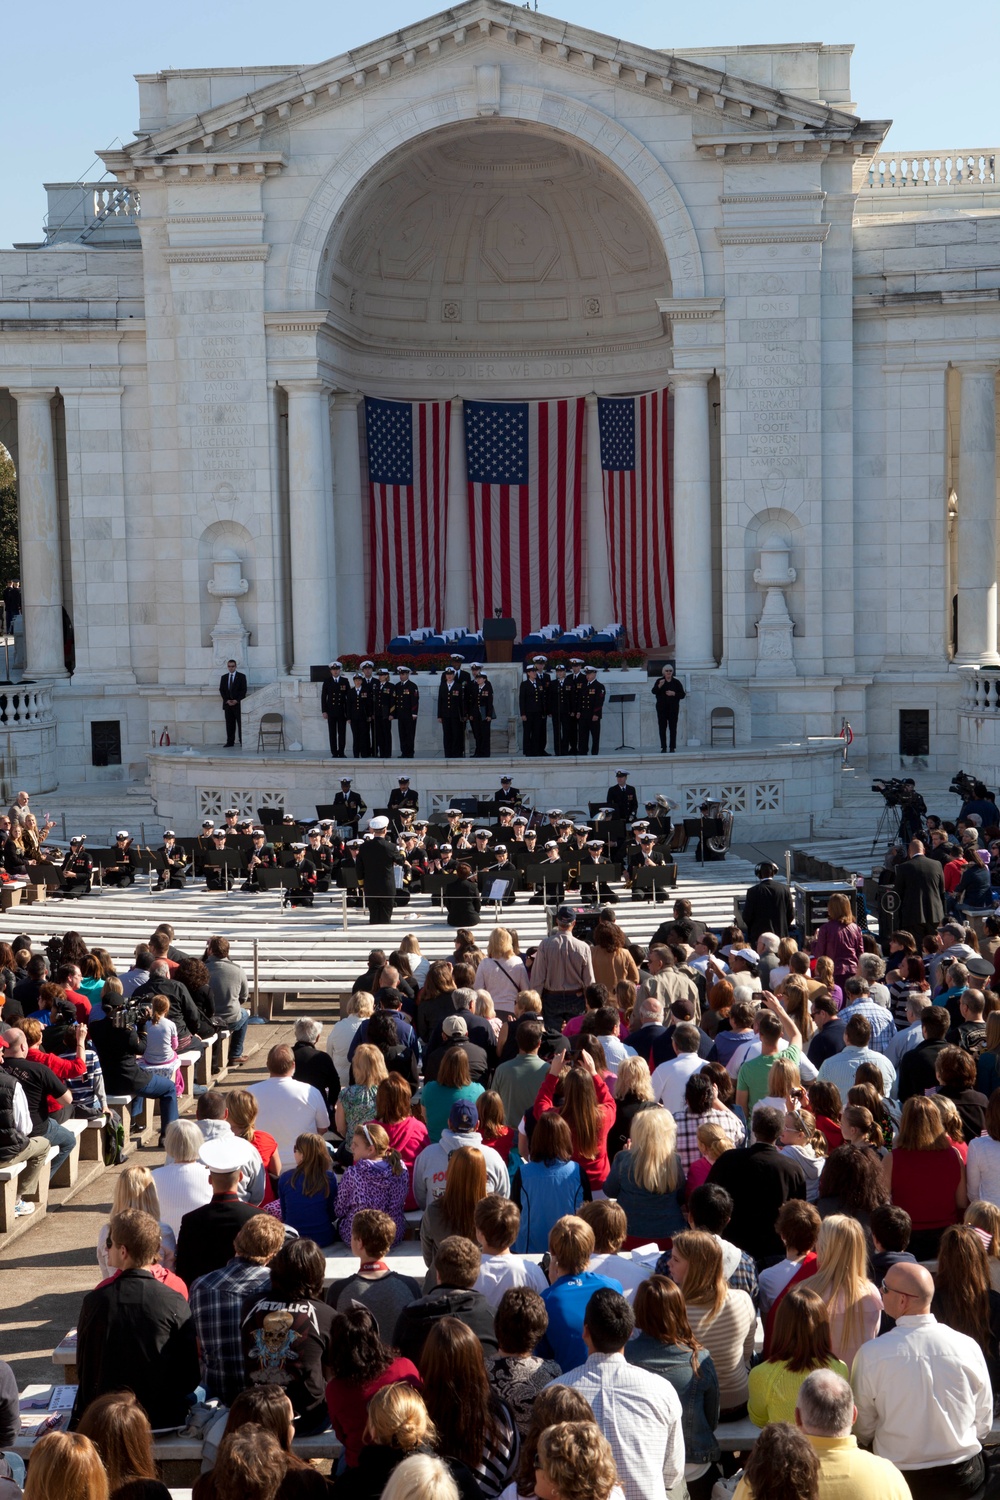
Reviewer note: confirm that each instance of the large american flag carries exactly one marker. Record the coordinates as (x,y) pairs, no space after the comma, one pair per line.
(525,474)
(634,464)
(408,496)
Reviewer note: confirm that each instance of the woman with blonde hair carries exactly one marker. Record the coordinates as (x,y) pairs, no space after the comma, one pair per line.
(839,938)
(357,1101)
(421,1477)
(65,1466)
(241,1112)
(633,1091)
(135,1188)
(501,973)
(410,949)
(853,1303)
(924,1174)
(576,1462)
(712,1142)
(648,1180)
(376,1178)
(823,974)
(721,1318)
(342,1033)
(805,1144)
(795,998)
(780,971)
(784,1085)
(454,1212)
(397,1428)
(484,1007)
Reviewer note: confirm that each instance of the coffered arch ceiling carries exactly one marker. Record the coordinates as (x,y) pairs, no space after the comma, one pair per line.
(494,235)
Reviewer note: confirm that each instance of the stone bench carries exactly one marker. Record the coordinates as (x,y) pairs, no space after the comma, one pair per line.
(122,1103)
(9,1194)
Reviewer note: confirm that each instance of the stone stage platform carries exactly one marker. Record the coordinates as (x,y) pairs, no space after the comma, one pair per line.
(774,788)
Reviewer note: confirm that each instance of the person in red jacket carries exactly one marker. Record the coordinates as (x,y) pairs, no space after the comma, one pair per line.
(63,1067)
(587,1107)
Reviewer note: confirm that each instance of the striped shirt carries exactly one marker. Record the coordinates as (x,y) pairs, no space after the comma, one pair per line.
(640,1415)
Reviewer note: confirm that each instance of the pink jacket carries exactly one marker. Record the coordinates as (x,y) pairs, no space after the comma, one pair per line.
(842,942)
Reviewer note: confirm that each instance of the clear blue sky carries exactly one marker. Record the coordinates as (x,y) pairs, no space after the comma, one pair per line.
(69,89)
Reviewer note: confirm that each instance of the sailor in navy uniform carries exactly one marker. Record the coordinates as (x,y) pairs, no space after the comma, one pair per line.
(508,795)
(591,709)
(483,714)
(348,807)
(383,708)
(402,796)
(452,712)
(361,710)
(335,702)
(532,707)
(215,875)
(623,798)
(407,708)
(562,711)
(301,893)
(76,869)
(122,872)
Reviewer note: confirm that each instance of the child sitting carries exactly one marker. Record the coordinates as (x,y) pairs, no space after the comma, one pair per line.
(497,1223)
(516,1373)
(385,1293)
(160,1055)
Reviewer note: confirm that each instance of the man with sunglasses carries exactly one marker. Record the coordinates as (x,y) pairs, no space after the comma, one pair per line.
(899,1380)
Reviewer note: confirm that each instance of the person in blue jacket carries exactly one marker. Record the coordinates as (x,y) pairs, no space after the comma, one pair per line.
(307,1192)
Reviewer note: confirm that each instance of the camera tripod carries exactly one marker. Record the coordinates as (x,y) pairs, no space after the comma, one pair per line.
(884,828)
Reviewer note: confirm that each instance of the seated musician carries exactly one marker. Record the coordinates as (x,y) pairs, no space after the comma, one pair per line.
(644,856)
(501,869)
(301,893)
(125,861)
(262,856)
(76,869)
(597,856)
(170,862)
(549,890)
(216,878)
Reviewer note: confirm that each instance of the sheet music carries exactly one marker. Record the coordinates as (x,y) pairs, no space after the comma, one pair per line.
(498,890)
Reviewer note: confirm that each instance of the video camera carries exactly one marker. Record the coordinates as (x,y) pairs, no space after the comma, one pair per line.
(897,793)
(128,1014)
(970,788)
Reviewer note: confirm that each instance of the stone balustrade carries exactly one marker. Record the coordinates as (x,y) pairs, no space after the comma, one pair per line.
(980,690)
(114,201)
(26,706)
(926,170)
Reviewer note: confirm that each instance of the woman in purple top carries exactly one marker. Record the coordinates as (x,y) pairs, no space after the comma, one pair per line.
(840,938)
(376,1179)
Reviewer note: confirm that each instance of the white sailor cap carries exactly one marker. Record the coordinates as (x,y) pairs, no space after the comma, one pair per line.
(445,846)
(326,822)
(367,664)
(621,772)
(500,848)
(476,666)
(336,666)
(457,656)
(78,839)
(298,845)
(551,844)
(521,819)
(539,658)
(576,661)
(591,669)
(258,833)
(354,843)
(404,778)
(453,812)
(382,672)
(207,823)
(168,833)
(595,843)
(314,833)
(402,668)
(377,824)
(345,781)
(482,833)
(220,833)
(122,833)
(553,812)
(506,809)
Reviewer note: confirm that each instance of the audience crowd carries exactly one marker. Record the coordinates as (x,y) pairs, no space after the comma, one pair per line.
(735,1179)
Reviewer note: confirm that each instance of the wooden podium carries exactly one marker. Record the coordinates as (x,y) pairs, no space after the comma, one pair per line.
(498,638)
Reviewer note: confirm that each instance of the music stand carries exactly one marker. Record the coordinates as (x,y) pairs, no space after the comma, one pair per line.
(268,816)
(621,699)
(548,872)
(434,883)
(486,881)
(242,842)
(655,878)
(598,875)
(230,860)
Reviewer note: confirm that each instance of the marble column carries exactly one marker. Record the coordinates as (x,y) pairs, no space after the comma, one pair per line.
(41,556)
(977,517)
(309,523)
(600,605)
(692,514)
(457,596)
(348,524)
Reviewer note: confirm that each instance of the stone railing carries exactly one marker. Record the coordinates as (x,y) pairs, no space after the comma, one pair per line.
(929,170)
(980,690)
(26,707)
(112,201)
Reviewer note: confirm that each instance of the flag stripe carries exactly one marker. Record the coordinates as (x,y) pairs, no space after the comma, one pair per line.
(408,511)
(525,478)
(635,469)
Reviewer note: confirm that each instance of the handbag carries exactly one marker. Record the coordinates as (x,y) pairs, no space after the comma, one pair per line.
(725,1489)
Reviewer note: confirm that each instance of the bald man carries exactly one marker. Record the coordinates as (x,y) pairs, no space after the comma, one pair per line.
(898,1380)
(825,1412)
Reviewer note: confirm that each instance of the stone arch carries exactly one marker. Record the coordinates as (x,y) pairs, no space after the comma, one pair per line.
(221,537)
(591,128)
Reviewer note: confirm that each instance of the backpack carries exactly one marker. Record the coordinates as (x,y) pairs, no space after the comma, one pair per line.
(114,1140)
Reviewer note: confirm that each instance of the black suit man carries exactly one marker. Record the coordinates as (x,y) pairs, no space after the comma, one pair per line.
(591,710)
(920,883)
(375,861)
(533,702)
(232,690)
(407,708)
(453,711)
(768,905)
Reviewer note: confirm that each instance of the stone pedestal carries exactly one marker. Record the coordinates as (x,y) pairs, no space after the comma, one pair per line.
(229,636)
(775,656)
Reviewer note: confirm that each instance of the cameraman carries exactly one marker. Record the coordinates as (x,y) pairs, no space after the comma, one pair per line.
(979,800)
(120,1041)
(913,811)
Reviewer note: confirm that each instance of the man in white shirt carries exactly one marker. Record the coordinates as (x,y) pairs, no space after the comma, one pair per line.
(798,1224)
(923,1393)
(610,1225)
(912,1034)
(212,1120)
(841,1068)
(670,1078)
(638,1412)
(285,1108)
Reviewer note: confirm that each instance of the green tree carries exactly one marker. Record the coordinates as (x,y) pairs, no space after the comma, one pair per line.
(10,561)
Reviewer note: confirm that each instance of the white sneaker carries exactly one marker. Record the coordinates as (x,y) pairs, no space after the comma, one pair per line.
(22,1209)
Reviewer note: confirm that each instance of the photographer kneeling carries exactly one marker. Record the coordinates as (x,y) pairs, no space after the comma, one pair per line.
(120,1041)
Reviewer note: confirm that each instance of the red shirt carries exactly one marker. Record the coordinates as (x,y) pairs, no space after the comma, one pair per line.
(597,1166)
(81,1002)
(158,1273)
(347,1403)
(266,1147)
(62,1067)
(924,1183)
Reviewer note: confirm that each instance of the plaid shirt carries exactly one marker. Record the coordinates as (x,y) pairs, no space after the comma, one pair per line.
(216,1304)
(688,1126)
(743,1279)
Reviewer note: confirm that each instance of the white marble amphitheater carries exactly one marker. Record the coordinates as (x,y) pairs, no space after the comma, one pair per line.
(496,204)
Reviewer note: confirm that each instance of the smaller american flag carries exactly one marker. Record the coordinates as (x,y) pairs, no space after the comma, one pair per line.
(408,499)
(634,465)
